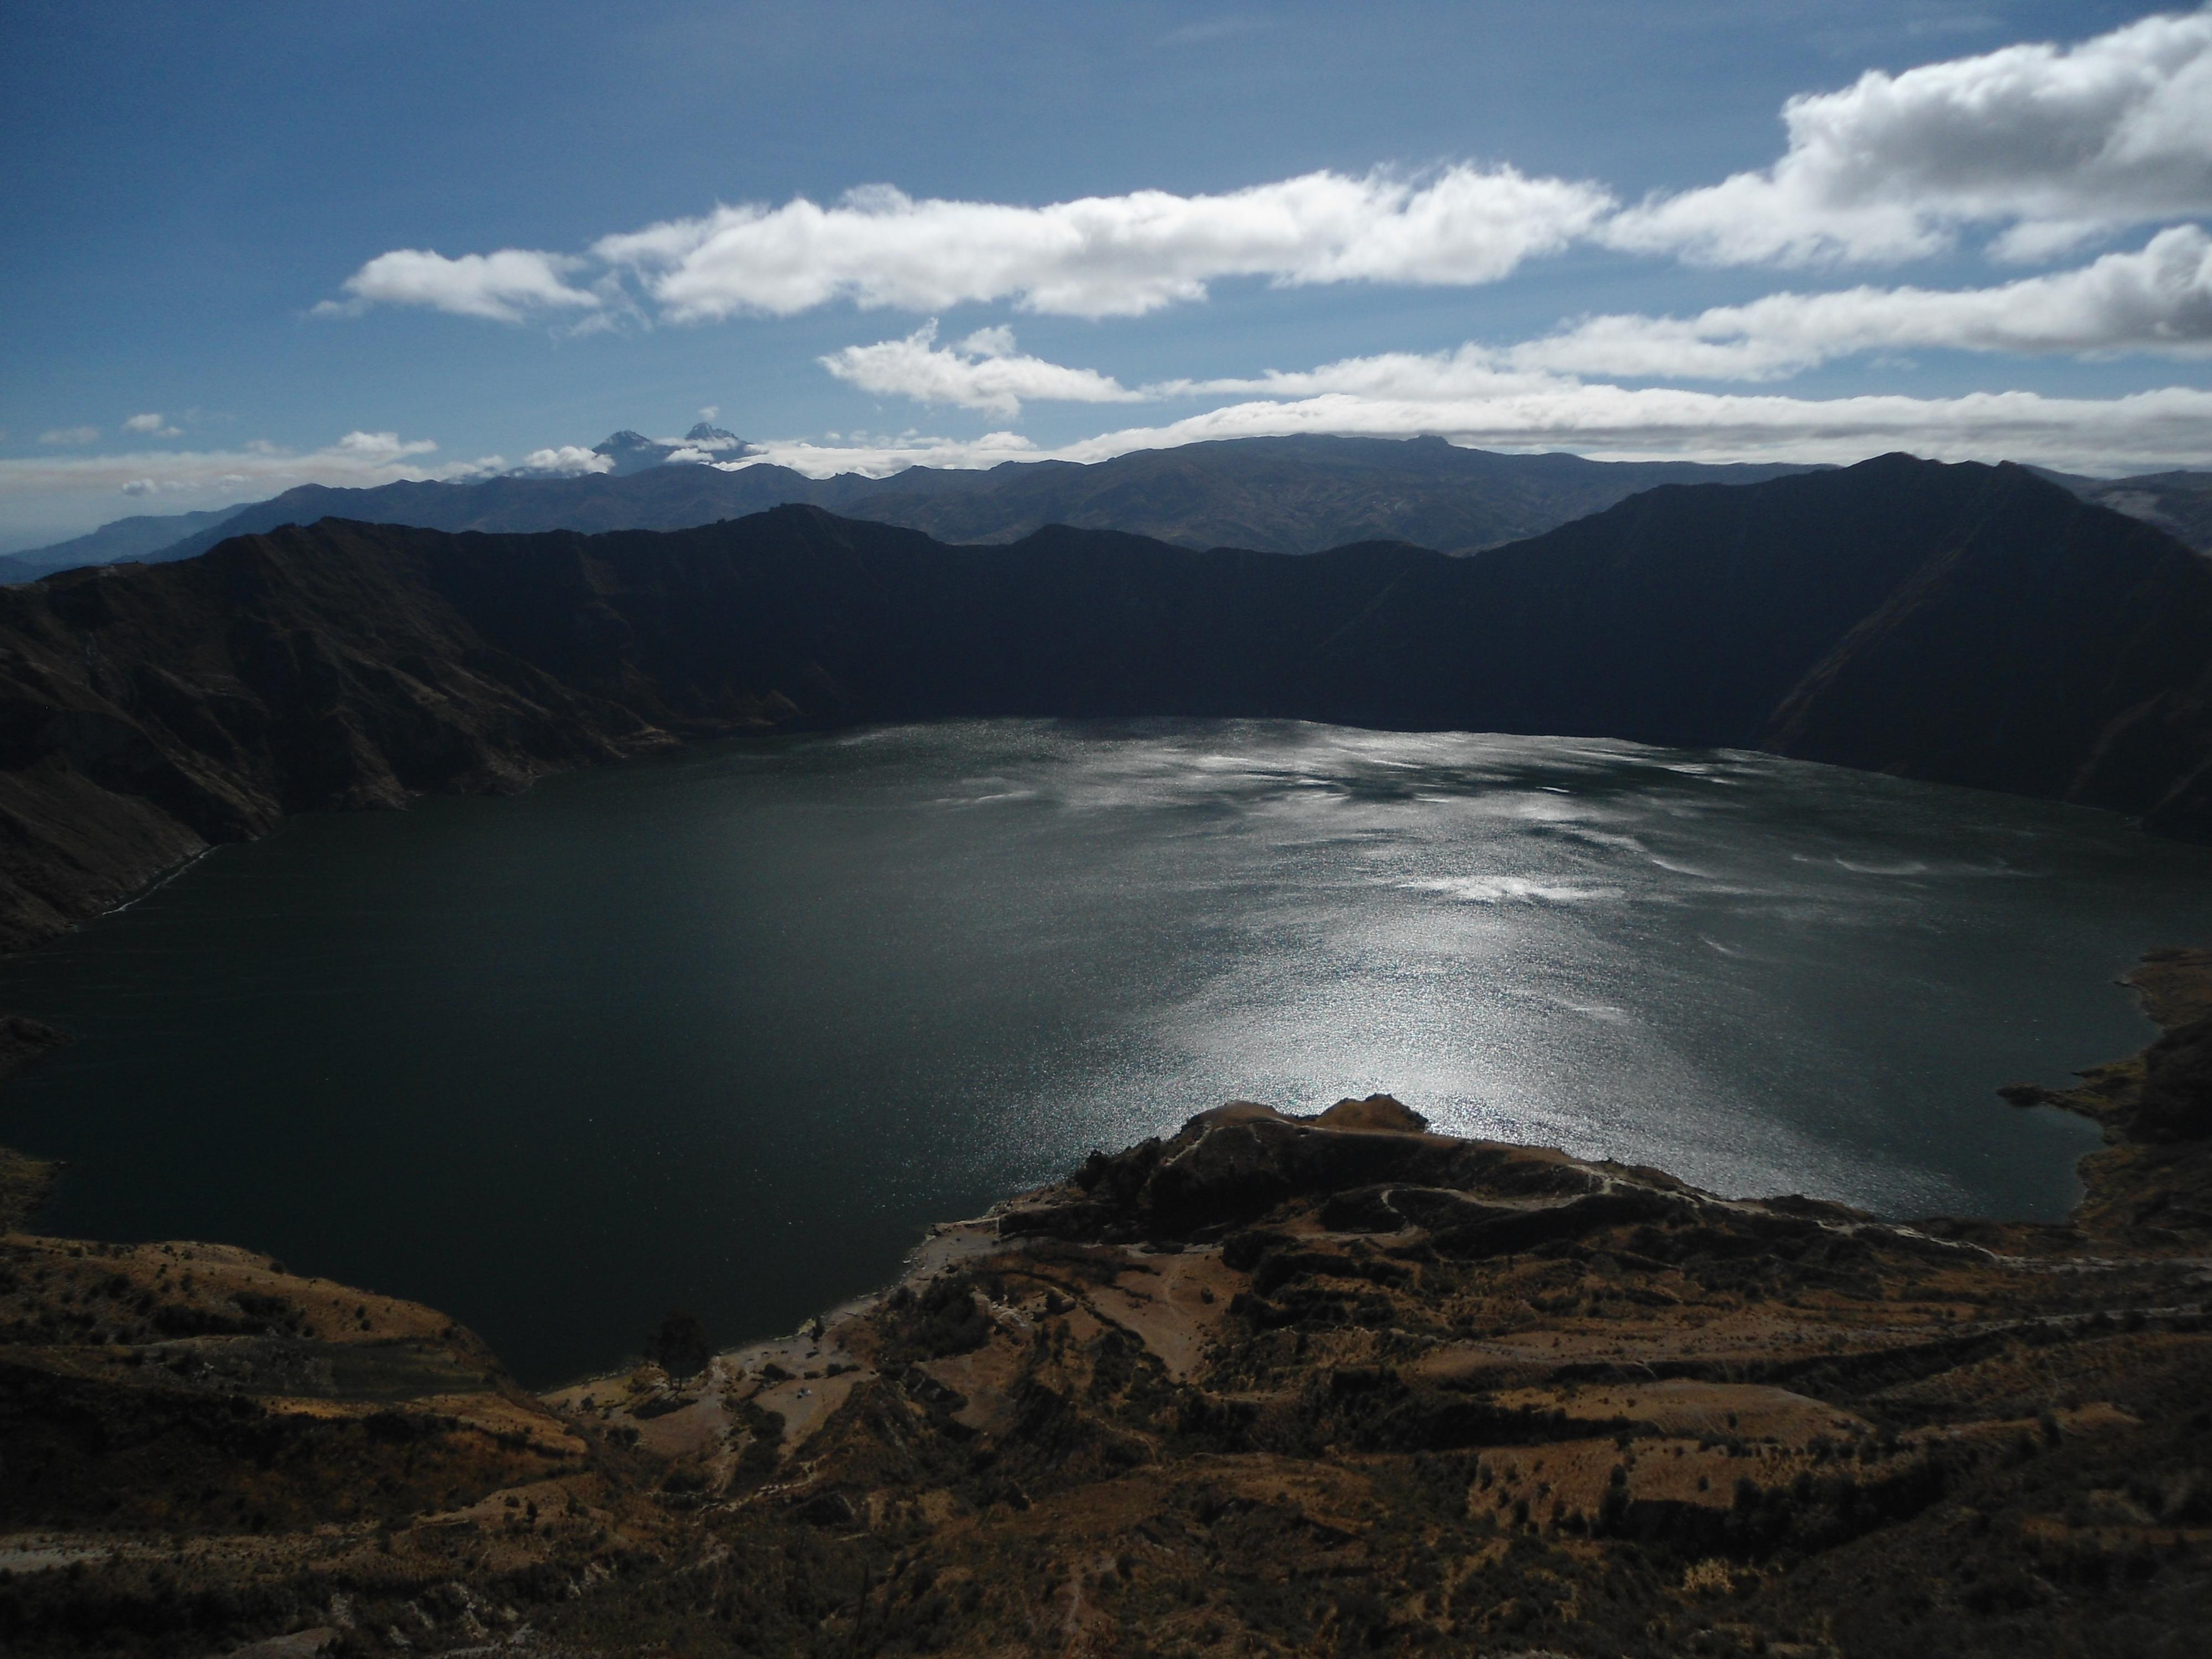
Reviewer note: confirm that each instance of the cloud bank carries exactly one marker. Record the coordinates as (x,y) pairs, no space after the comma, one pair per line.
(2142,432)
(357,459)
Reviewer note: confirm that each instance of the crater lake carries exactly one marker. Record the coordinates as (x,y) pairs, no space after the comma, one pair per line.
(726,1030)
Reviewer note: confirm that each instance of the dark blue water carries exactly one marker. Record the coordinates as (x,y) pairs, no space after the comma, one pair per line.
(726,1031)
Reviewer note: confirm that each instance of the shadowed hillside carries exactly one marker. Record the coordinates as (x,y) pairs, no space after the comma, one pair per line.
(1962,624)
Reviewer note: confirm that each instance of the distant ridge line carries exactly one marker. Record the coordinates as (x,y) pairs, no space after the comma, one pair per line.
(1290,494)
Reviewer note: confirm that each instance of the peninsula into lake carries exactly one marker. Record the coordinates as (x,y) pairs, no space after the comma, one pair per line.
(1275,1384)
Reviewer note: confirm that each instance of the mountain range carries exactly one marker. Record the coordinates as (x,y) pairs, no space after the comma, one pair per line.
(1294,495)
(1297,494)
(1962,624)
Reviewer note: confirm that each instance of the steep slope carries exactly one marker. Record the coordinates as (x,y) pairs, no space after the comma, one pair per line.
(1964,624)
(1961,625)
(148,711)
(2038,652)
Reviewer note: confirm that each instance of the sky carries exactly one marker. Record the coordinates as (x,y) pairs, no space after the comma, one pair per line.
(250,245)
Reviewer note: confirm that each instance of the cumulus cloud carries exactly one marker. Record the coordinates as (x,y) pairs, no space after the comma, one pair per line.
(70,435)
(2052,145)
(503,287)
(983,371)
(151,426)
(1102,256)
(2156,300)
(356,458)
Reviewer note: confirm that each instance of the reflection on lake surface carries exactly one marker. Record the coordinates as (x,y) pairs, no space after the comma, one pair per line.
(725,1031)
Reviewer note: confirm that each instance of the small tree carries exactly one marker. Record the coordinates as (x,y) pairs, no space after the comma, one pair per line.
(681,1348)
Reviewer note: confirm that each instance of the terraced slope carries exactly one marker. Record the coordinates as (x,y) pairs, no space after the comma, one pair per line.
(1272,1385)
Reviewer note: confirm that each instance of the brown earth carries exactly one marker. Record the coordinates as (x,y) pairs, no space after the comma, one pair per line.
(1272,1386)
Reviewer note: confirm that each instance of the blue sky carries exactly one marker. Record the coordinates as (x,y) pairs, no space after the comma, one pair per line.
(236,253)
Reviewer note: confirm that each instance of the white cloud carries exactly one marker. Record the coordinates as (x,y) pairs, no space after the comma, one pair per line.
(503,286)
(1102,256)
(2055,144)
(151,426)
(566,461)
(2156,300)
(880,457)
(70,434)
(357,458)
(1466,396)
(702,449)
(2144,430)
(1470,371)
(983,371)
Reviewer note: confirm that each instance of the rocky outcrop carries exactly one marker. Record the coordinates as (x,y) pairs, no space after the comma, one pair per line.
(1275,1384)
(1243,1159)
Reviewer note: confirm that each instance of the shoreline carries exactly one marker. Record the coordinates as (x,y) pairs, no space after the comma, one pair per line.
(1325,1354)
(27,1181)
